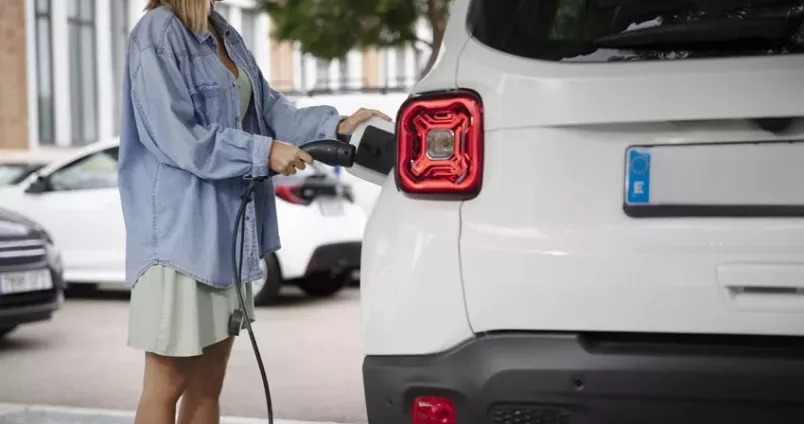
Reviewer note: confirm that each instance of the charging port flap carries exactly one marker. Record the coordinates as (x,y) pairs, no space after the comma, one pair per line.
(375,156)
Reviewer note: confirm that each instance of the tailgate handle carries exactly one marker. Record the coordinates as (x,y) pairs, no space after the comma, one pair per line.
(763,287)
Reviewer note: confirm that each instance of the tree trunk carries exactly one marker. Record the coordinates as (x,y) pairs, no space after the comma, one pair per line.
(437,16)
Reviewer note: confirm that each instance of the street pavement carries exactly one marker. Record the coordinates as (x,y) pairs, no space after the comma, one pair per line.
(311,349)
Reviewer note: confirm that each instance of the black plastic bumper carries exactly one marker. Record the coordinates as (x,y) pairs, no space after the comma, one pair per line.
(335,258)
(597,379)
(29,307)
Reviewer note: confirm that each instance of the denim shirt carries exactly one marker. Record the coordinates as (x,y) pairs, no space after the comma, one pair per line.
(186,156)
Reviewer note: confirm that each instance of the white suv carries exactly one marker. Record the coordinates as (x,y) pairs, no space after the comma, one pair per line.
(595,215)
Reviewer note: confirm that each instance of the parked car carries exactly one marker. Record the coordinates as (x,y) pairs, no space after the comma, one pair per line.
(595,215)
(31,273)
(14,171)
(77,200)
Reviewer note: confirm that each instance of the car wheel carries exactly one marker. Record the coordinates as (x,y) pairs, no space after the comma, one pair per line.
(322,285)
(266,292)
(4,331)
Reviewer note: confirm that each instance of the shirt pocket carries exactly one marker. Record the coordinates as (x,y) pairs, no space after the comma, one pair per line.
(212,104)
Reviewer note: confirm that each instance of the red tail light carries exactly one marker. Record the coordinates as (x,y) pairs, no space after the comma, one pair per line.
(288,194)
(440,144)
(433,410)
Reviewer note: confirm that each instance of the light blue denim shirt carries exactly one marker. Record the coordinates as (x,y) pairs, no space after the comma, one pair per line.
(185,155)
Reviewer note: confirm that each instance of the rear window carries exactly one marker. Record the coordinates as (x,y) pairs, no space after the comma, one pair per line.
(621,30)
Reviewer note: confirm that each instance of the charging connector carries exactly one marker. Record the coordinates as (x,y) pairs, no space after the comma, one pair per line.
(330,152)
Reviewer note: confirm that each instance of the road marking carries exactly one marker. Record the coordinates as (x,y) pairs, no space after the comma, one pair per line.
(8,410)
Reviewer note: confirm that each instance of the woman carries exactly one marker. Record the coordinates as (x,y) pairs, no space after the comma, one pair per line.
(199,120)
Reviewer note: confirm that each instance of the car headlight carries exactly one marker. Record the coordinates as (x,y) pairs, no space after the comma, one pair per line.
(53,255)
(41,234)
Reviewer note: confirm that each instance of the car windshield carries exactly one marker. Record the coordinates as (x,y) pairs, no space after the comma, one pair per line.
(623,30)
(14,173)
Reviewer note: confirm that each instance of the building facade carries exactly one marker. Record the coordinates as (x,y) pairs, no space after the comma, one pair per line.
(62,63)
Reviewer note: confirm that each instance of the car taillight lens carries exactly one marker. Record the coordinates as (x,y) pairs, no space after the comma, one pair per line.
(288,194)
(433,410)
(440,144)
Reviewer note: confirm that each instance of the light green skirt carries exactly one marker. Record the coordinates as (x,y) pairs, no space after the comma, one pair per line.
(172,314)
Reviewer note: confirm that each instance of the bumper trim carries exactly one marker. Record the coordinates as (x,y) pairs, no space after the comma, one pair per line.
(335,258)
(553,378)
(26,314)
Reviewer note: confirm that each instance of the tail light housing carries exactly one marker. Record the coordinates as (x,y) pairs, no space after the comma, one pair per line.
(291,194)
(433,410)
(440,144)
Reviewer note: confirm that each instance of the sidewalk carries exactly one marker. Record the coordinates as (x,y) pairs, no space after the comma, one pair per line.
(41,414)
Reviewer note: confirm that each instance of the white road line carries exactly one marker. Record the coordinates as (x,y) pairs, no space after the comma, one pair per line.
(7,408)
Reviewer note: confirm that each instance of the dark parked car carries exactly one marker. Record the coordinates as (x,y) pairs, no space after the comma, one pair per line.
(31,274)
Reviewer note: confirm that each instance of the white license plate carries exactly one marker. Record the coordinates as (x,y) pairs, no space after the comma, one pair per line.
(766,174)
(27,281)
(331,207)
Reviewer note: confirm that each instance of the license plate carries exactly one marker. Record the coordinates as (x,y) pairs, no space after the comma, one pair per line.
(331,207)
(27,281)
(717,179)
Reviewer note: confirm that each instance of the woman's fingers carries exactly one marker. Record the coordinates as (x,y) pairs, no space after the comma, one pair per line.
(364,115)
(305,157)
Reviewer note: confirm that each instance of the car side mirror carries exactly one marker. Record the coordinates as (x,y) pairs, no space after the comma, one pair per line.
(38,185)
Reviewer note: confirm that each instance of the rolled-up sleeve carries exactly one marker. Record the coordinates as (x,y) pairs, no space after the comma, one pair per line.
(298,125)
(165,118)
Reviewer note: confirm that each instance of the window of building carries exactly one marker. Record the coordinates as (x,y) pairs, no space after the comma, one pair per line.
(322,79)
(83,83)
(44,72)
(248,30)
(225,10)
(119,21)
(343,72)
(401,65)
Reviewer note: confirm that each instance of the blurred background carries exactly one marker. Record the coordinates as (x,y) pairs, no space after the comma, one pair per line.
(61,228)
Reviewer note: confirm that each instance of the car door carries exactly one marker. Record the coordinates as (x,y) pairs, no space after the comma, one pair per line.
(80,207)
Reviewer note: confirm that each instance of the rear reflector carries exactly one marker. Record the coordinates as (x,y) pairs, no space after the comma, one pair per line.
(433,410)
(440,144)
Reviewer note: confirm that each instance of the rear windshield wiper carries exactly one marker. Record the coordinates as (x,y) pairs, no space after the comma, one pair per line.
(688,35)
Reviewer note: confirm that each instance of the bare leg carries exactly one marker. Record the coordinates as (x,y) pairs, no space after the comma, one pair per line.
(165,380)
(200,403)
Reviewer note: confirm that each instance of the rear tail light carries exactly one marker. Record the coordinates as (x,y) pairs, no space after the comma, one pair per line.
(440,144)
(290,194)
(433,410)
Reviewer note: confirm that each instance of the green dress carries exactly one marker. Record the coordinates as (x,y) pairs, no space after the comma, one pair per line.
(171,314)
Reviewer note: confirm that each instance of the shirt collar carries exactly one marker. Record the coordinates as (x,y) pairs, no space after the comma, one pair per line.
(219,22)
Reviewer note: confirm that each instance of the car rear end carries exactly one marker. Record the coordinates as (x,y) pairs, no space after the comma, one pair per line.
(589,234)
(321,226)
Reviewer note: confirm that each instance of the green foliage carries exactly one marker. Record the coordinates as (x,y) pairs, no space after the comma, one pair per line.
(329,29)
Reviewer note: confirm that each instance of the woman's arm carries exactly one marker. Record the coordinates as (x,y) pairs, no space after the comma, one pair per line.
(164,115)
(297,125)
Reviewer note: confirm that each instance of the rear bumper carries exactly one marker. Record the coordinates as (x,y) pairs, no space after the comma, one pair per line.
(335,258)
(574,379)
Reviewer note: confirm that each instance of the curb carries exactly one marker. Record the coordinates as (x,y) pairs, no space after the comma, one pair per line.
(75,414)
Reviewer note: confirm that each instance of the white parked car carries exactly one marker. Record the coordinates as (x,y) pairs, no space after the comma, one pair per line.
(77,201)
(595,215)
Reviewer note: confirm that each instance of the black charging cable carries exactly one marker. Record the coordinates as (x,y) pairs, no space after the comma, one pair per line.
(330,152)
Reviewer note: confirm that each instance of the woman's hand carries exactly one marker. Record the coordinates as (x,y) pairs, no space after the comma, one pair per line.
(349,125)
(286,159)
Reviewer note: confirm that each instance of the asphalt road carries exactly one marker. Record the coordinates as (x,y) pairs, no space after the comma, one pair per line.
(80,359)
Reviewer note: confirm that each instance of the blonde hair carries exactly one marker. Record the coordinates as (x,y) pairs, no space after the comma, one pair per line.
(192,13)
